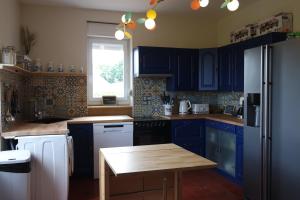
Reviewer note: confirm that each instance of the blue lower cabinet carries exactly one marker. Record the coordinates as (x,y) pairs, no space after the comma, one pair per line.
(83,149)
(189,134)
(224,146)
(239,157)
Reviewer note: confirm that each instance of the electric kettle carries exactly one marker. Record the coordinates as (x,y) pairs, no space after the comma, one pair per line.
(184,107)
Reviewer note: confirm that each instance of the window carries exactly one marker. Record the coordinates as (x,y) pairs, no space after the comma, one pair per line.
(108,70)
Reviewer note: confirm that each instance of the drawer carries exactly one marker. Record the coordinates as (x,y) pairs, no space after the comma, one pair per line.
(220,125)
(125,184)
(183,129)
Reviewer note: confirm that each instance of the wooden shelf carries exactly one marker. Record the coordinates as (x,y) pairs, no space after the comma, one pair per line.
(14,69)
(21,71)
(57,74)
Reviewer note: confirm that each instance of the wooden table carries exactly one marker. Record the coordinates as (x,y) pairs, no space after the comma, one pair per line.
(150,172)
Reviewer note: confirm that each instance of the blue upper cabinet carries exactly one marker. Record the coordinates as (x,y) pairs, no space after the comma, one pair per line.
(238,68)
(269,38)
(185,71)
(208,69)
(225,68)
(153,61)
(231,68)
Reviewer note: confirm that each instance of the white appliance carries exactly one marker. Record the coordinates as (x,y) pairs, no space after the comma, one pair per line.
(15,175)
(50,165)
(111,135)
(200,109)
(184,107)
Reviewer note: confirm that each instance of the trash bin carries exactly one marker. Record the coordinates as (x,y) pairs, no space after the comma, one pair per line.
(15,175)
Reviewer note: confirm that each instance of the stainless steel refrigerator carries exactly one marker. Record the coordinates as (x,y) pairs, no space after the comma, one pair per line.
(272,122)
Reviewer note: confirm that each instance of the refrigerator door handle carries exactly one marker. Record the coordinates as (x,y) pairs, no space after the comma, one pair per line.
(267,122)
(263,124)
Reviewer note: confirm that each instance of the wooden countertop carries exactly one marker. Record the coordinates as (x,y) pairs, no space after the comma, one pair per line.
(59,128)
(101,119)
(152,158)
(215,117)
(34,129)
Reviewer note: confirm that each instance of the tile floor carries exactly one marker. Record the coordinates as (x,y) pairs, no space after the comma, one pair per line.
(197,185)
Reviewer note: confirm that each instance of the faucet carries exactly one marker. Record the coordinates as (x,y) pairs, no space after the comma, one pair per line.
(37,113)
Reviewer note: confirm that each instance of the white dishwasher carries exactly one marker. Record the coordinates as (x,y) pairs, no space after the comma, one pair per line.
(111,135)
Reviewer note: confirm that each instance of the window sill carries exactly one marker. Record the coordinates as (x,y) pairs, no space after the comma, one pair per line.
(106,110)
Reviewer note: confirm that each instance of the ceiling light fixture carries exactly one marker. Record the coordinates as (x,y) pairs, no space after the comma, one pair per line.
(151,15)
(204,3)
(233,5)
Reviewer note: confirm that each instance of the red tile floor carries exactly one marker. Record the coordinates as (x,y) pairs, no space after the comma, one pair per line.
(197,185)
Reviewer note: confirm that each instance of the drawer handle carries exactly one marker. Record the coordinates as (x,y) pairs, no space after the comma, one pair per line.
(113,126)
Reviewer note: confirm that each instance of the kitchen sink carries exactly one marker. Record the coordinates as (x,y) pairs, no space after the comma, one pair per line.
(49,120)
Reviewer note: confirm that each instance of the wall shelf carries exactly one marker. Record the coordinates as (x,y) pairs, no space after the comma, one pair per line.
(24,72)
(14,69)
(57,74)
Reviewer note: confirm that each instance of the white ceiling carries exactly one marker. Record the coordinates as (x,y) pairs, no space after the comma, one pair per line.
(167,6)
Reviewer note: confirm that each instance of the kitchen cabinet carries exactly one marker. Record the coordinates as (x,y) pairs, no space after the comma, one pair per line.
(208,69)
(231,68)
(231,60)
(153,61)
(189,134)
(224,145)
(185,71)
(269,38)
(83,149)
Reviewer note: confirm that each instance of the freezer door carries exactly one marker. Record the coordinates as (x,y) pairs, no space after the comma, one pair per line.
(285,134)
(252,135)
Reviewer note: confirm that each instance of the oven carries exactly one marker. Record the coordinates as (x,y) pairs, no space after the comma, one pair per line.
(151,131)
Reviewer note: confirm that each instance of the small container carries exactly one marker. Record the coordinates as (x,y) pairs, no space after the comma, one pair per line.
(60,68)
(9,55)
(50,67)
(168,109)
(37,67)
(81,69)
(72,68)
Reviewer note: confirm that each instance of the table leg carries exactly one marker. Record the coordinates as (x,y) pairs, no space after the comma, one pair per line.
(165,188)
(177,185)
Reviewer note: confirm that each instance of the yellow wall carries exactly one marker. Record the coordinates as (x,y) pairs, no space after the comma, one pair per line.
(61,32)
(9,23)
(257,11)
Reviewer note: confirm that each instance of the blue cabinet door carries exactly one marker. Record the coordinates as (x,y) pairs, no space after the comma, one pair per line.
(238,68)
(83,149)
(226,68)
(208,69)
(189,134)
(239,156)
(231,68)
(185,71)
(224,145)
(153,61)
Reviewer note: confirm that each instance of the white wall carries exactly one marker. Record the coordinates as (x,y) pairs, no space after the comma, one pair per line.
(257,11)
(61,32)
(9,23)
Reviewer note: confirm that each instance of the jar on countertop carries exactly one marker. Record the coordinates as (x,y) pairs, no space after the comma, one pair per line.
(9,55)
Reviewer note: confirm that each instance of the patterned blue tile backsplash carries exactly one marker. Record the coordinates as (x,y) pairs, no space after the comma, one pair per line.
(147,101)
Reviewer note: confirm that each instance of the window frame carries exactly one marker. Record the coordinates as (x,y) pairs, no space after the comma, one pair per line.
(127,69)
